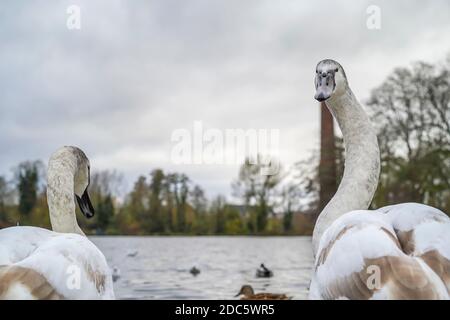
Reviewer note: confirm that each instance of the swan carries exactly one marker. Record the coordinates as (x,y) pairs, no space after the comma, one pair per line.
(37,263)
(396,252)
(132,254)
(115,273)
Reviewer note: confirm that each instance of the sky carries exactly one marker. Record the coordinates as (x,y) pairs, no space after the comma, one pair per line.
(138,71)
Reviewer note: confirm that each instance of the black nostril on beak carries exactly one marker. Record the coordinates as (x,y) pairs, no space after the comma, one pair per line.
(321,97)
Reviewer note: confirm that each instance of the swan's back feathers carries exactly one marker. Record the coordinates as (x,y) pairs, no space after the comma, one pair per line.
(420,228)
(423,232)
(69,263)
(19,283)
(383,255)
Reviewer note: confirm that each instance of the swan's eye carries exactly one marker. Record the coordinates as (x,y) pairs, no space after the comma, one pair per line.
(336,70)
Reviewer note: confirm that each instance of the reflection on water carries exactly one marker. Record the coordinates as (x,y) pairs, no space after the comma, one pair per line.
(158,267)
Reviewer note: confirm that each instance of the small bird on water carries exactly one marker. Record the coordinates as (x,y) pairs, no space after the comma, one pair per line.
(247,293)
(263,272)
(115,274)
(132,253)
(194,271)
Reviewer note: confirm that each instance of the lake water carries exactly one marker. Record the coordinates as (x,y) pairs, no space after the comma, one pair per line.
(160,267)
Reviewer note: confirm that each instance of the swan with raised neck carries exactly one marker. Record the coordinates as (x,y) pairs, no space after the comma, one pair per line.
(67,180)
(407,243)
(362,155)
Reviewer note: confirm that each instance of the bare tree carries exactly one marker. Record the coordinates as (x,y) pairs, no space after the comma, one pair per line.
(411,110)
(257,189)
(107,182)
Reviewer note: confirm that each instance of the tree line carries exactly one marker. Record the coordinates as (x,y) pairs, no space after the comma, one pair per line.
(159,203)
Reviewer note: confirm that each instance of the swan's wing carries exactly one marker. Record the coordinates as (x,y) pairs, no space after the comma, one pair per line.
(360,257)
(423,232)
(17,243)
(68,264)
(18,283)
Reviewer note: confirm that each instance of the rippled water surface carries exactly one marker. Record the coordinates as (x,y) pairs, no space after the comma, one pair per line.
(160,266)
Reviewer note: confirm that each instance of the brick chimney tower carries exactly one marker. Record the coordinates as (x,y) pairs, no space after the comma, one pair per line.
(327,165)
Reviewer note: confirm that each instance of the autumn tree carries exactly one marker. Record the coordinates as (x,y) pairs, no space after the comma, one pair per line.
(134,209)
(157,221)
(105,212)
(4,195)
(218,211)
(104,187)
(199,205)
(256,188)
(180,183)
(169,202)
(290,198)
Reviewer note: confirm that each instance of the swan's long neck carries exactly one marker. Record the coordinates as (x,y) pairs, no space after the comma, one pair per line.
(60,193)
(362,163)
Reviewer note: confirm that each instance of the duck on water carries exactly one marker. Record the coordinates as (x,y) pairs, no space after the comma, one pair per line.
(263,272)
(248,293)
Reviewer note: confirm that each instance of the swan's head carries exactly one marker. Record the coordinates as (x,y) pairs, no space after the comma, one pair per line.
(330,80)
(65,162)
(81,182)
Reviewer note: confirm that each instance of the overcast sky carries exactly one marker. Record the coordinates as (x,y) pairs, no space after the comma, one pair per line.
(138,70)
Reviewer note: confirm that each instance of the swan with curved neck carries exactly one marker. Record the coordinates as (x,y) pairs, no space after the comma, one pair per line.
(68,175)
(37,263)
(407,244)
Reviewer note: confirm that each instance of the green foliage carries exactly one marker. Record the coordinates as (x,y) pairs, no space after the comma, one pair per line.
(28,178)
(105,212)
(4,192)
(156,222)
(218,210)
(233,222)
(201,223)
